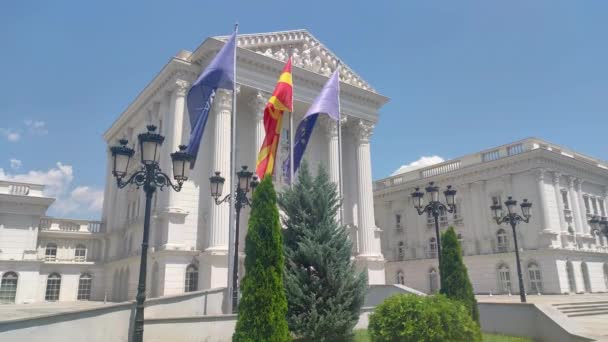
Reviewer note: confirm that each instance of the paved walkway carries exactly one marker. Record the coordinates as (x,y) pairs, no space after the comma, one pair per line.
(596,325)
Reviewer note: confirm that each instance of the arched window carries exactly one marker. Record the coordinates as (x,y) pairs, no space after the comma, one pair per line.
(502,242)
(50,252)
(504,278)
(571,279)
(400,278)
(53,286)
(80,254)
(586,280)
(8,287)
(536,281)
(400,250)
(84,287)
(432,247)
(433,282)
(191,278)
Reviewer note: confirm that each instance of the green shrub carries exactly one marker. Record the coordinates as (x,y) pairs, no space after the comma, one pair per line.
(263,307)
(422,319)
(455,282)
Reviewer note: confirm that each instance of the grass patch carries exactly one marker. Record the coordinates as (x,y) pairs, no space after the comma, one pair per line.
(504,338)
(363,336)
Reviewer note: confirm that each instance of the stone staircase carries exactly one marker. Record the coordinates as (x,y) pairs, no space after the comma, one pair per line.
(583,308)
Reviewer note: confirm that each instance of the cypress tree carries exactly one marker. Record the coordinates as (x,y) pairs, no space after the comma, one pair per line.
(263,306)
(324,291)
(455,282)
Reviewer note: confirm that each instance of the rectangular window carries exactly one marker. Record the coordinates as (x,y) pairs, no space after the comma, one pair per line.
(565,199)
(602,208)
(398,219)
(587,208)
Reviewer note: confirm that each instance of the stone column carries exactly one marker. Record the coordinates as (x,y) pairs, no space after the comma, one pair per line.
(333,152)
(370,255)
(558,201)
(575,205)
(174,130)
(583,210)
(368,241)
(544,211)
(257,104)
(219,218)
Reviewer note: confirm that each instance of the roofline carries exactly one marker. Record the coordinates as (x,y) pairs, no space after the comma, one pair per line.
(548,146)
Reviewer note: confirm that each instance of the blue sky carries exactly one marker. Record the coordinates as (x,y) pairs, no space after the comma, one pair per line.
(462,75)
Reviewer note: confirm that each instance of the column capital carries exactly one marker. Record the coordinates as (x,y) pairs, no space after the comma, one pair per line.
(363,131)
(223,100)
(258,102)
(571,181)
(181,87)
(540,174)
(556,177)
(579,184)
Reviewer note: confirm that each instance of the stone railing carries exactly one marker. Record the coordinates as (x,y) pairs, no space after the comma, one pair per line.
(67,225)
(486,156)
(21,189)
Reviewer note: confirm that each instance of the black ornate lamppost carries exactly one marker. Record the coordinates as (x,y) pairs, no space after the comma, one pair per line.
(150,177)
(434,207)
(246,181)
(599,225)
(514,219)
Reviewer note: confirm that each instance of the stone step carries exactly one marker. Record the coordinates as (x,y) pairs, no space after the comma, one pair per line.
(591,313)
(600,308)
(582,307)
(558,305)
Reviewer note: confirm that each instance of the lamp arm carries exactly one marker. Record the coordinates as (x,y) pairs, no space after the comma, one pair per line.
(161,180)
(138,178)
(421,211)
(226,198)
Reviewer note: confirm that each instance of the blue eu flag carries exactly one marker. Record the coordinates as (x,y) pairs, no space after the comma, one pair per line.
(218,74)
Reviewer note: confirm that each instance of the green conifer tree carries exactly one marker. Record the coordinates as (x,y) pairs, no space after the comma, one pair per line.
(263,306)
(455,282)
(324,291)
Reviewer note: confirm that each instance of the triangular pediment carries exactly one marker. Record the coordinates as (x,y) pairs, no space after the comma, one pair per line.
(308,53)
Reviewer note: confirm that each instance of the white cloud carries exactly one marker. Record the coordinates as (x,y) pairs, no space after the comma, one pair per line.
(420,163)
(14,163)
(81,201)
(10,134)
(36,126)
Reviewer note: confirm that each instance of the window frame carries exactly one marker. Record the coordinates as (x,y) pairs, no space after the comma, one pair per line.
(8,287)
(85,285)
(53,287)
(79,248)
(191,278)
(50,252)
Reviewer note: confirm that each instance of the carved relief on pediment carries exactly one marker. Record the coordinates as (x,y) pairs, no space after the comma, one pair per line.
(307,53)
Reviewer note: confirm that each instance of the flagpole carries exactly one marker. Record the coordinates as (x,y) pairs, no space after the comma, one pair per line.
(340,177)
(291,161)
(231,227)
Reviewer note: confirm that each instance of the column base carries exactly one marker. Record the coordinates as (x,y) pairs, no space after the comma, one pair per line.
(374,266)
(213,266)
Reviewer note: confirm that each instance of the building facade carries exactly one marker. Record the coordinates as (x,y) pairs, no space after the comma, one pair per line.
(189,232)
(44,258)
(559,251)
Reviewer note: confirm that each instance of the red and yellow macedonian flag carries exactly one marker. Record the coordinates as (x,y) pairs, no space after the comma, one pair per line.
(280,101)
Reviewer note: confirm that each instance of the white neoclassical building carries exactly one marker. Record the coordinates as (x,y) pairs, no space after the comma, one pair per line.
(44,258)
(559,252)
(189,233)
